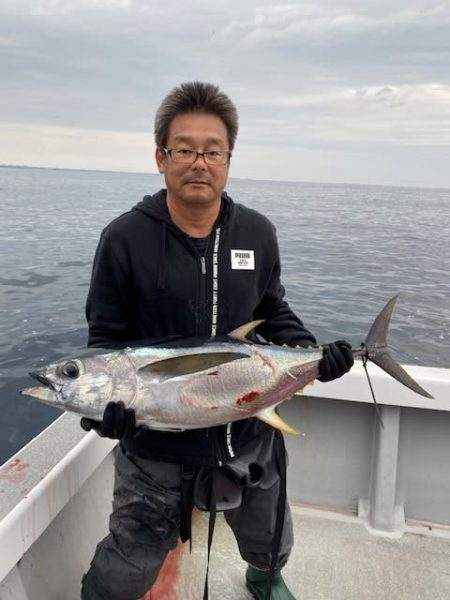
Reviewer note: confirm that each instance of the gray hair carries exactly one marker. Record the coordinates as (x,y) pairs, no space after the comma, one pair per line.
(200,98)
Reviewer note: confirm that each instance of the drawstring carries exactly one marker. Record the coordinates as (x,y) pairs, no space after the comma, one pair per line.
(161,284)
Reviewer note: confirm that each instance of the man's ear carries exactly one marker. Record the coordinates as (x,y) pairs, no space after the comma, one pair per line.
(160,157)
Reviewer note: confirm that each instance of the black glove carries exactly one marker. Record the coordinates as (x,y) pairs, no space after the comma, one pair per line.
(118,422)
(337,360)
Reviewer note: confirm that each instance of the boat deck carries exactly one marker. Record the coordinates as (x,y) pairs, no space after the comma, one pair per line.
(334,558)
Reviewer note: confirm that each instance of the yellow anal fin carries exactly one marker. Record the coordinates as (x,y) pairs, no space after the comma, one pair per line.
(242,332)
(270,417)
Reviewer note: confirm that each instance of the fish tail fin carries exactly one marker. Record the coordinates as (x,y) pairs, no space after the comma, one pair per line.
(378,352)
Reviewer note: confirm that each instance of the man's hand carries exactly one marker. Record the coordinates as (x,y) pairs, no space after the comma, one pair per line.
(118,422)
(337,360)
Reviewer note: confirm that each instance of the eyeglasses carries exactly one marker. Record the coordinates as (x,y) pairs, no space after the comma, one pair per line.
(188,157)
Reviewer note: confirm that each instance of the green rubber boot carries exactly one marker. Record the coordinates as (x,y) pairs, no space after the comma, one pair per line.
(257,582)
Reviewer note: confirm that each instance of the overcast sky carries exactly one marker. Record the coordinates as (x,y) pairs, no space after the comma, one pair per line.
(351,91)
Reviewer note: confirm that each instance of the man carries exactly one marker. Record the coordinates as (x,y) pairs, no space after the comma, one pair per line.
(170,267)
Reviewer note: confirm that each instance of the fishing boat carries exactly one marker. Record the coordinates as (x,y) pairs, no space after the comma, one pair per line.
(370,499)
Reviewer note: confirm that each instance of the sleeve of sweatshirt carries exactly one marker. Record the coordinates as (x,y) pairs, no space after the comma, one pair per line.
(281,325)
(109,302)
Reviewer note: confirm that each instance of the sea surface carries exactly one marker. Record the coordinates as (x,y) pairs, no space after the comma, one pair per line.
(345,250)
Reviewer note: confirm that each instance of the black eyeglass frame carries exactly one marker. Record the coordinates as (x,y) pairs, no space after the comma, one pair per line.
(196,154)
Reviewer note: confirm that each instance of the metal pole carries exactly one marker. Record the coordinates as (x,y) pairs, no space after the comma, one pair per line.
(383,512)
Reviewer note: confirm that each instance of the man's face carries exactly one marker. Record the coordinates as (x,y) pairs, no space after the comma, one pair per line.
(197,183)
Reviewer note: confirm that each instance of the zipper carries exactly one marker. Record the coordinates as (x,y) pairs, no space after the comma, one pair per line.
(220,438)
(209,284)
(224,449)
(215,282)
(201,286)
(202,326)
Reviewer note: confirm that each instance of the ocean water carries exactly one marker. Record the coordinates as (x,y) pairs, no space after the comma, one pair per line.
(345,250)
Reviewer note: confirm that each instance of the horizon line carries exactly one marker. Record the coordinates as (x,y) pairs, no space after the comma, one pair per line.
(420,187)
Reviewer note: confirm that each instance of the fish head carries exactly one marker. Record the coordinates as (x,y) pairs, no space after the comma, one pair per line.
(81,385)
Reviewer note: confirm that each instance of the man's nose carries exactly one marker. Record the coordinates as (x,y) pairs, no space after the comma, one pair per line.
(200,162)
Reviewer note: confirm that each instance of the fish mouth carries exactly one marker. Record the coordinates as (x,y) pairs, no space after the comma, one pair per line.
(47,394)
(42,379)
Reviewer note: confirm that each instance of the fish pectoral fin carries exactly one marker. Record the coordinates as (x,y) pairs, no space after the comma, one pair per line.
(242,332)
(185,364)
(272,418)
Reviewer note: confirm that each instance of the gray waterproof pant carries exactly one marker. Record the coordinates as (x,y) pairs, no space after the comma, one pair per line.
(145,525)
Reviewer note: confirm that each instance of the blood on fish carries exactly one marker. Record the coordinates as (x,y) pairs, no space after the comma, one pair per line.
(214,408)
(247,398)
(213,373)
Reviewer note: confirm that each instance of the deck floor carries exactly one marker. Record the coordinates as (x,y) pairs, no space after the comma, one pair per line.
(333,559)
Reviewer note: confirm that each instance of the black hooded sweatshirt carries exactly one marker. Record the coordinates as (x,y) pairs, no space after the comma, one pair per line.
(150,282)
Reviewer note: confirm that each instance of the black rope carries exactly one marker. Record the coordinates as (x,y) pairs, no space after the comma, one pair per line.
(365,360)
(212,522)
(280,455)
(187,503)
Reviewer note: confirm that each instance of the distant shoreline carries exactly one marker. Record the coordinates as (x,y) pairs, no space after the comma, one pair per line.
(2,166)
(334,183)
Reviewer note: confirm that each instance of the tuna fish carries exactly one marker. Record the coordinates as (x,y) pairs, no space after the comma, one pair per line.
(202,385)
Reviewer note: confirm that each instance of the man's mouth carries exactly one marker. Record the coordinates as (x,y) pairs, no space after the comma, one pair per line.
(198,182)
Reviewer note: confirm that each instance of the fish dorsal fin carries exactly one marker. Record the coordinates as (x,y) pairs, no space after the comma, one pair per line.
(270,417)
(185,364)
(242,332)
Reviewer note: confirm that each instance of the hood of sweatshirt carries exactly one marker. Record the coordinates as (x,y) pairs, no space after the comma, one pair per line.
(155,207)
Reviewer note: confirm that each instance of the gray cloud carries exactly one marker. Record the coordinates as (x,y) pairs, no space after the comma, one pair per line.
(345,76)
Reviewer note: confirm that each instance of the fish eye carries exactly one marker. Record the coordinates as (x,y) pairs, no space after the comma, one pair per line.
(70,369)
